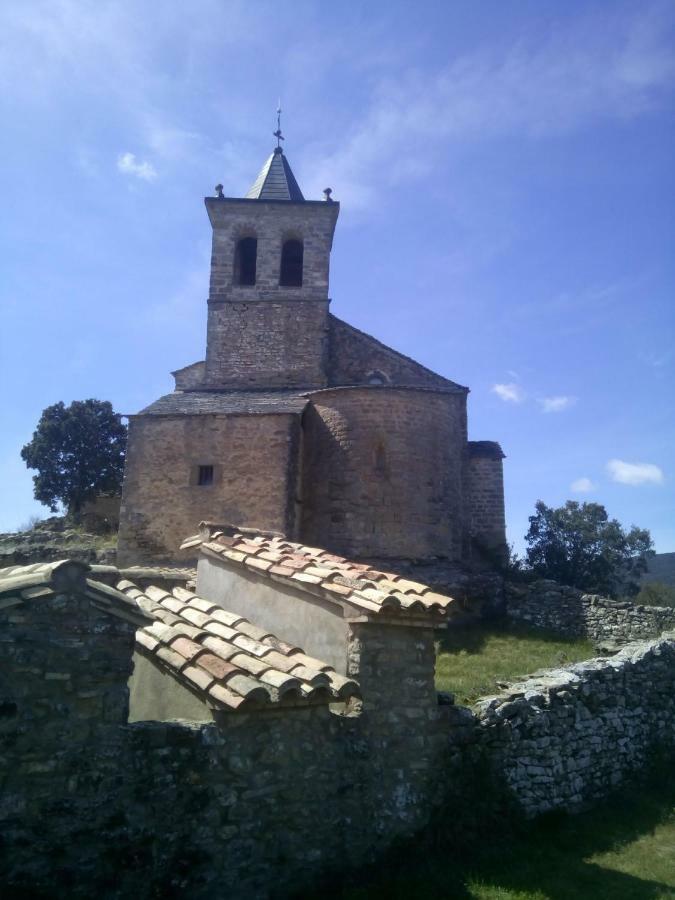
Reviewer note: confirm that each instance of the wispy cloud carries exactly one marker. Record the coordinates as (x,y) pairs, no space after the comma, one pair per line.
(582,486)
(532,90)
(556,404)
(127,164)
(510,393)
(634,473)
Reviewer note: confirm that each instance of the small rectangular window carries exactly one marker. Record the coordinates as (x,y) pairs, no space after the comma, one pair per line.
(205,475)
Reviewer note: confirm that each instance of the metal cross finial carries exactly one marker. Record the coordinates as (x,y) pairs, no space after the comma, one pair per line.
(277,134)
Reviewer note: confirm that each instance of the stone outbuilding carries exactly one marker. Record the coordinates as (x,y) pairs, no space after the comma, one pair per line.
(297,422)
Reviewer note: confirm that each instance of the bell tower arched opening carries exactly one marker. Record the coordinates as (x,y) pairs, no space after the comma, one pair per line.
(245,261)
(292,255)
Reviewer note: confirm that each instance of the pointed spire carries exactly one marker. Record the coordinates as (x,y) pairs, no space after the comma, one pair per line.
(276,180)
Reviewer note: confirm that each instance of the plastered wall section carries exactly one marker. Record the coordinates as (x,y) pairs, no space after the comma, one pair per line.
(315,625)
(254,459)
(382,472)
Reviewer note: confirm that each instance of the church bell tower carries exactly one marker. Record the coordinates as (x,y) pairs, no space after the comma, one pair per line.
(268,297)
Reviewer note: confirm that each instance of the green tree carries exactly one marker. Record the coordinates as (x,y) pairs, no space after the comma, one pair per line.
(656,594)
(78,451)
(579,545)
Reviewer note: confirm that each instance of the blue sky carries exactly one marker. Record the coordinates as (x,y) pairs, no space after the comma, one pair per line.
(506,177)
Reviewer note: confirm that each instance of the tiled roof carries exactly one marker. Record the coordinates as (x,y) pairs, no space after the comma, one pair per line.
(190,403)
(43,580)
(223,656)
(357,587)
(141,575)
(275,180)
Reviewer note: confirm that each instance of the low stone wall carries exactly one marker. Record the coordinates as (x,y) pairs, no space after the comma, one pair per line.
(267,801)
(555,607)
(258,802)
(566,737)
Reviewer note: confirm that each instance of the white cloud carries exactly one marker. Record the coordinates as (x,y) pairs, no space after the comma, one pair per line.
(634,473)
(126,163)
(510,393)
(556,404)
(582,486)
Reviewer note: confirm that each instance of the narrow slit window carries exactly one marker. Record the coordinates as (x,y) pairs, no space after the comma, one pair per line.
(205,476)
(245,261)
(292,254)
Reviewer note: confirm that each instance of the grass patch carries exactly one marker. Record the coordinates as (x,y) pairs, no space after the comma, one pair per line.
(623,850)
(472,658)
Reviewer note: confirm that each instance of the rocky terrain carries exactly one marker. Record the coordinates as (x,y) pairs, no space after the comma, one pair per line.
(56,538)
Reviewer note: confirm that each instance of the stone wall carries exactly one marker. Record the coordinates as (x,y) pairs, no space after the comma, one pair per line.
(265,345)
(555,607)
(261,801)
(270,800)
(484,497)
(267,334)
(101,514)
(570,736)
(353,356)
(382,472)
(254,459)
(63,706)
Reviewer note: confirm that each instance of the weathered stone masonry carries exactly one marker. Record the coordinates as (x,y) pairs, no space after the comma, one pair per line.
(568,737)
(262,800)
(269,799)
(567,610)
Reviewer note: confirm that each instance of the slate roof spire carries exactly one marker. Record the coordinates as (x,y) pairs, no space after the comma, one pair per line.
(276,180)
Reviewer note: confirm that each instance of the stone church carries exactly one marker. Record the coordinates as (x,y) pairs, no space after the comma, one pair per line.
(297,422)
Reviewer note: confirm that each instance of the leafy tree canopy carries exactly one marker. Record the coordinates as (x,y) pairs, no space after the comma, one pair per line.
(579,545)
(78,451)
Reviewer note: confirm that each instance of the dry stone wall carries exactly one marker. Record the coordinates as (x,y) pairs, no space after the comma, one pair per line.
(555,607)
(567,737)
(268,801)
(260,802)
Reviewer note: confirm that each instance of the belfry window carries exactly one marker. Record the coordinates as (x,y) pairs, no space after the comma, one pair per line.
(291,264)
(245,261)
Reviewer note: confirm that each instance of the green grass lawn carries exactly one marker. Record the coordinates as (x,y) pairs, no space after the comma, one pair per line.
(471,659)
(623,850)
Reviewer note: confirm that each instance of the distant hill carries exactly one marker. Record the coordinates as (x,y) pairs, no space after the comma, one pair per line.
(661,568)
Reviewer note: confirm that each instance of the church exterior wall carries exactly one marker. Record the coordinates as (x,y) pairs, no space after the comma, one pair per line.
(353,356)
(484,494)
(268,334)
(254,459)
(382,472)
(271,345)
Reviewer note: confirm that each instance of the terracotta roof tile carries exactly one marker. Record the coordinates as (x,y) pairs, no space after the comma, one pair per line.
(216,666)
(39,582)
(357,587)
(226,658)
